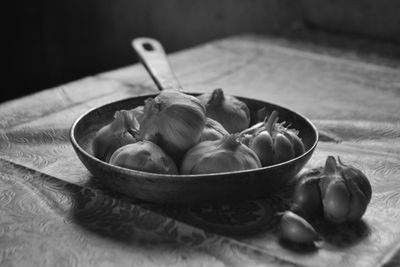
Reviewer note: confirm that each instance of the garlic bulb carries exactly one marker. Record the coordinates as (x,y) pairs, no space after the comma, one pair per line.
(340,192)
(272,142)
(232,113)
(222,155)
(213,130)
(174,121)
(123,130)
(144,156)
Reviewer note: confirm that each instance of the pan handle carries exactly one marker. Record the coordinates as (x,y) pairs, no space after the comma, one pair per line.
(153,57)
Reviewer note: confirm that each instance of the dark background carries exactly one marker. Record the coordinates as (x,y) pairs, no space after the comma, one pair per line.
(53,42)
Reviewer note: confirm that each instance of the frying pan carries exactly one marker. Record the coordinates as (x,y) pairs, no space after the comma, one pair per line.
(185,189)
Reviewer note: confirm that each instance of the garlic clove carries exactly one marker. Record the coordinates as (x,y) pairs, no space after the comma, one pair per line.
(358,202)
(297,143)
(331,172)
(283,149)
(296,229)
(263,146)
(307,196)
(336,201)
(355,175)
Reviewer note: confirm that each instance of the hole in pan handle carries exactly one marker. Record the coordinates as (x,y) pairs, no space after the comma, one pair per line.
(152,55)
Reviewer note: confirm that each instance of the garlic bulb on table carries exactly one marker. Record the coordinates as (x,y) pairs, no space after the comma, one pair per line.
(174,121)
(233,114)
(123,130)
(222,155)
(144,156)
(340,192)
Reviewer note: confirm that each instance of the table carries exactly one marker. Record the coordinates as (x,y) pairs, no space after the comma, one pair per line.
(54,214)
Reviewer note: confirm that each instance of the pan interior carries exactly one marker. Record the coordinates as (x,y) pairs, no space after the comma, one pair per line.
(93,120)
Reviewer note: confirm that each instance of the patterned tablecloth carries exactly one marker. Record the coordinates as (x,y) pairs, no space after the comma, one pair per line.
(54,214)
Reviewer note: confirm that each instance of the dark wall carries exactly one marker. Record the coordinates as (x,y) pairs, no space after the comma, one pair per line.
(53,42)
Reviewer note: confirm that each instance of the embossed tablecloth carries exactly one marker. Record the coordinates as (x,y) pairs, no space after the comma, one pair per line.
(54,214)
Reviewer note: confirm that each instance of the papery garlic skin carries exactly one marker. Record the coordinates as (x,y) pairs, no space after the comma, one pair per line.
(246,139)
(121,131)
(138,113)
(233,114)
(174,121)
(144,156)
(223,155)
(212,130)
